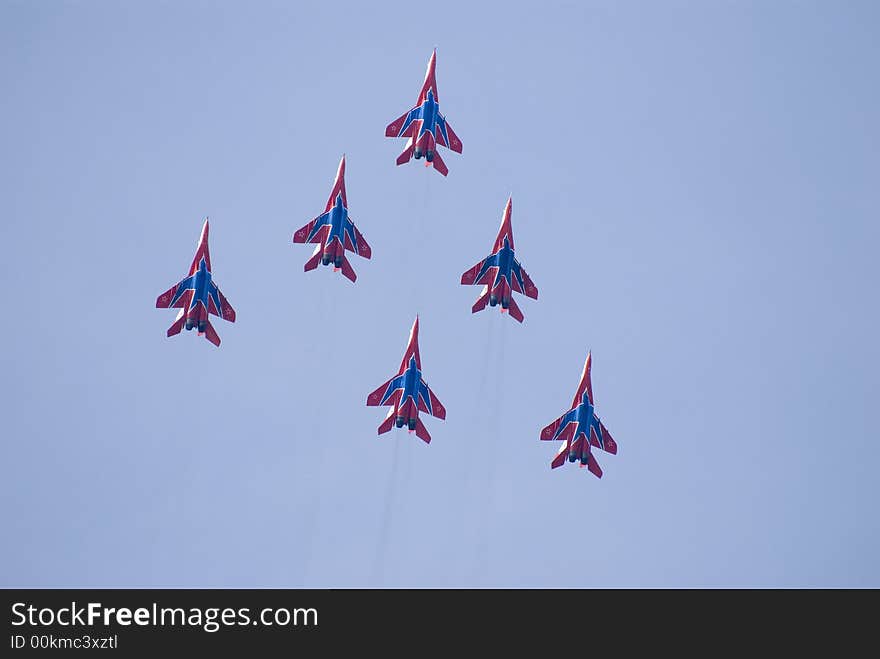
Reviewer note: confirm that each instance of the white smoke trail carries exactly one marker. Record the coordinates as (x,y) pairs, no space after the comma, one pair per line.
(382,544)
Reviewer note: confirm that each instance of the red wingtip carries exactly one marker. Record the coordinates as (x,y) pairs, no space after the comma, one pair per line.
(335,269)
(503,310)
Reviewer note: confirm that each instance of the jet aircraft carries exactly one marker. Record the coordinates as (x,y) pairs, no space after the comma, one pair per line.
(197,295)
(579,428)
(501,274)
(407,393)
(425,126)
(334,232)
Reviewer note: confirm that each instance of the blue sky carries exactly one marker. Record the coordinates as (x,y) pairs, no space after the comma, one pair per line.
(695,194)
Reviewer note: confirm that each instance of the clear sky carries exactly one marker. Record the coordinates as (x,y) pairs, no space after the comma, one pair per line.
(696,194)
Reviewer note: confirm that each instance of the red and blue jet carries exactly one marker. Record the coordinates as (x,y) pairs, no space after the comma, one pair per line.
(425,126)
(580,428)
(196,295)
(407,393)
(501,274)
(334,232)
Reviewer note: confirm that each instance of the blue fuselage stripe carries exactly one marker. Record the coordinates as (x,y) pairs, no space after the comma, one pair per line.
(202,286)
(429,114)
(410,381)
(340,226)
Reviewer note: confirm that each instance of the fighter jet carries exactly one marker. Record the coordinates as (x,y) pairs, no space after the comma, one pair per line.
(501,274)
(334,232)
(425,126)
(407,393)
(196,295)
(579,428)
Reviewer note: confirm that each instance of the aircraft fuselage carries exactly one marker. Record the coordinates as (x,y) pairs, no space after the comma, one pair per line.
(334,245)
(580,445)
(197,314)
(424,143)
(501,286)
(408,408)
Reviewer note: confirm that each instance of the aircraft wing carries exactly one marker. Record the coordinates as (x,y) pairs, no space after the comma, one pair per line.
(386,394)
(355,241)
(402,126)
(470,277)
(313,232)
(603,438)
(562,428)
(429,403)
(181,295)
(522,283)
(170,298)
(219,305)
(482,272)
(446,136)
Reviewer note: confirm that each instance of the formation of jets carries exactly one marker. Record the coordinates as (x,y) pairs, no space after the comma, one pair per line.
(333,232)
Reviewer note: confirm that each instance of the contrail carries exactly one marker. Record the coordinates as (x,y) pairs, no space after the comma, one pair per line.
(310,526)
(490,402)
(410,260)
(480,407)
(317,429)
(385,528)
